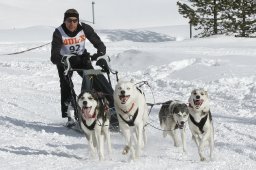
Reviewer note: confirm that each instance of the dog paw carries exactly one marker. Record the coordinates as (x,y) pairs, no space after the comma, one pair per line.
(126,150)
(177,145)
(101,158)
(110,158)
(202,159)
(164,134)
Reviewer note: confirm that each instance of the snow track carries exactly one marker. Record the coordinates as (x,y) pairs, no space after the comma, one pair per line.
(32,132)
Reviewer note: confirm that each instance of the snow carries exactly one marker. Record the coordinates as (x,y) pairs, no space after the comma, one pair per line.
(32,132)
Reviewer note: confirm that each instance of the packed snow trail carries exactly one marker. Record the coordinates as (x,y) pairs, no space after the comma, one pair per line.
(32,132)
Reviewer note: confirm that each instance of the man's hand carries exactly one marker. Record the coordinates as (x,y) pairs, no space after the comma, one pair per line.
(96,55)
(103,64)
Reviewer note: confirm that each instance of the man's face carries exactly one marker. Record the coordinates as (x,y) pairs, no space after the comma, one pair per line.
(71,23)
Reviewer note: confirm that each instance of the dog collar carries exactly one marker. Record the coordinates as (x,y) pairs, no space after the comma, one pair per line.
(129,109)
(94,115)
(106,108)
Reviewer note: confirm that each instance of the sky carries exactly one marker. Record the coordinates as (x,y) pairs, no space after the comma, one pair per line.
(32,132)
(109,14)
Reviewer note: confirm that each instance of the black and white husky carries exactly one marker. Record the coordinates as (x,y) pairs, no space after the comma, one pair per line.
(95,121)
(132,111)
(200,121)
(173,116)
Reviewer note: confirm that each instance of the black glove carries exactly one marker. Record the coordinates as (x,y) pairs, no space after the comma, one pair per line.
(103,64)
(96,55)
(86,55)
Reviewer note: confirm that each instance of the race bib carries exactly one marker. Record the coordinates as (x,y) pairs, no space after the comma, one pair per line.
(72,45)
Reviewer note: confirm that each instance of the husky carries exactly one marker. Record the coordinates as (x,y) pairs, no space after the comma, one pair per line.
(200,121)
(132,111)
(95,121)
(173,116)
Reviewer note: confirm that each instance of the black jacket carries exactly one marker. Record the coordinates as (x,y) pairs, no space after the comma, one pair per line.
(89,33)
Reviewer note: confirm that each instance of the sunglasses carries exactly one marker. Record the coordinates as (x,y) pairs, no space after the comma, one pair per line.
(69,20)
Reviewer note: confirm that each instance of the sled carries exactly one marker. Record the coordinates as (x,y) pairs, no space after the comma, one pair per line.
(91,79)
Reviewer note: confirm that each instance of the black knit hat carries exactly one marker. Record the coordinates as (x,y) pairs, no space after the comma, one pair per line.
(71,13)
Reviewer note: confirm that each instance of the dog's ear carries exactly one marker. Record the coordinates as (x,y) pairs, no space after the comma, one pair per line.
(204,90)
(94,94)
(193,91)
(206,93)
(121,79)
(171,107)
(185,107)
(80,95)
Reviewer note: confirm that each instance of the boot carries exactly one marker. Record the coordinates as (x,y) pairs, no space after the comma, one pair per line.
(70,122)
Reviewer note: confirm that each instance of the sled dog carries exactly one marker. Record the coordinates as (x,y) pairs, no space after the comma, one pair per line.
(132,111)
(95,121)
(200,121)
(173,116)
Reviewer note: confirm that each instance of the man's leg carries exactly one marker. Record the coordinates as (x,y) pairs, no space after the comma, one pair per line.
(65,92)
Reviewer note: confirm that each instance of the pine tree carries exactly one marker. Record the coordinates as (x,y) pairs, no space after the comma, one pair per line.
(244,13)
(221,16)
(227,17)
(189,13)
(205,13)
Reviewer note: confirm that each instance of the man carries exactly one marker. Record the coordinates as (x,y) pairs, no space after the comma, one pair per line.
(69,38)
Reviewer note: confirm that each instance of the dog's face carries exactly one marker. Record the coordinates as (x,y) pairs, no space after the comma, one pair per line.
(88,104)
(198,99)
(180,114)
(125,92)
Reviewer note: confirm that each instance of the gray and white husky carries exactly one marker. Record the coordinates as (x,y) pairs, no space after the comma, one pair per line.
(173,116)
(95,122)
(200,121)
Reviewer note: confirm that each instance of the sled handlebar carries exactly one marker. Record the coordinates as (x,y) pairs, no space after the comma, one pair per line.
(88,71)
(68,68)
(102,62)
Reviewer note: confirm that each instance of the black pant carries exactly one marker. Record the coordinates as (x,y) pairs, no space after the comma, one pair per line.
(65,91)
(99,83)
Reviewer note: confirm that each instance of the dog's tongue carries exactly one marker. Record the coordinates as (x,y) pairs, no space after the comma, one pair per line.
(198,102)
(86,111)
(123,98)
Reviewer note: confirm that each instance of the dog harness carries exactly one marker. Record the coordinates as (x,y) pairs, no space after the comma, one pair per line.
(131,122)
(91,127)
(201,124)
